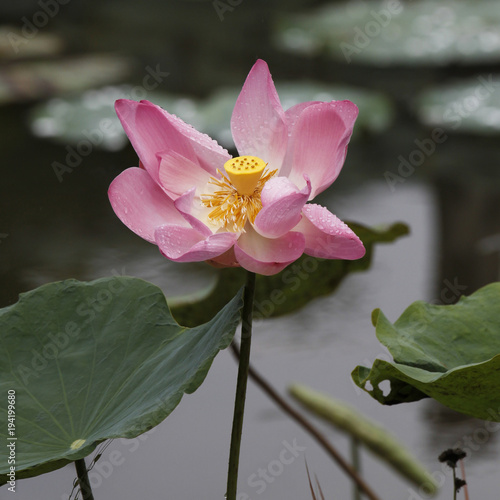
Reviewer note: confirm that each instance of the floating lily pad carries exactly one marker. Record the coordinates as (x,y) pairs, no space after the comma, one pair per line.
(286,292)
(450,353)
(377,439)
(470,106)
(91,116)
(23,81)
(15,45)
(96,361)
(381,33)
(376,112)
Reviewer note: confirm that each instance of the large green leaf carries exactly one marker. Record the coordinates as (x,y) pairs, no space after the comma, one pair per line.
(285,292)
(450,353)
(94,361)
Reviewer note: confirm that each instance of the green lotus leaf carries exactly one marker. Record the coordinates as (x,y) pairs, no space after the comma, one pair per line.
(450,353)
(382,33)
(287,291)
(91,115)
(439,106)
(376,112)
(32,80)
(94,361)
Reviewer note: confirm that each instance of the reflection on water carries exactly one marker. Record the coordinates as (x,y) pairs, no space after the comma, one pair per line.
(478,438)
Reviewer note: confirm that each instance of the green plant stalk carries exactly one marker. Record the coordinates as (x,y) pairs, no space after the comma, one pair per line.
(83,479)
(241,387)
(356,465)
(370,434)
(307,426)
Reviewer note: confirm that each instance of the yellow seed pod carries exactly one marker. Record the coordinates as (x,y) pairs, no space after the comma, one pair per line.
(244,173)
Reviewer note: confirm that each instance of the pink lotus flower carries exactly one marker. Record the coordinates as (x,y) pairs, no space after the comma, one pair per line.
(198,204)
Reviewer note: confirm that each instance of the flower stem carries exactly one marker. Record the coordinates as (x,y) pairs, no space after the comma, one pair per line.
(241,387)
(308,427)
(83,479)
(356,465)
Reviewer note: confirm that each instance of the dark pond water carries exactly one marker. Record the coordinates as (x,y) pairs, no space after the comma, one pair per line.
(53,230)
